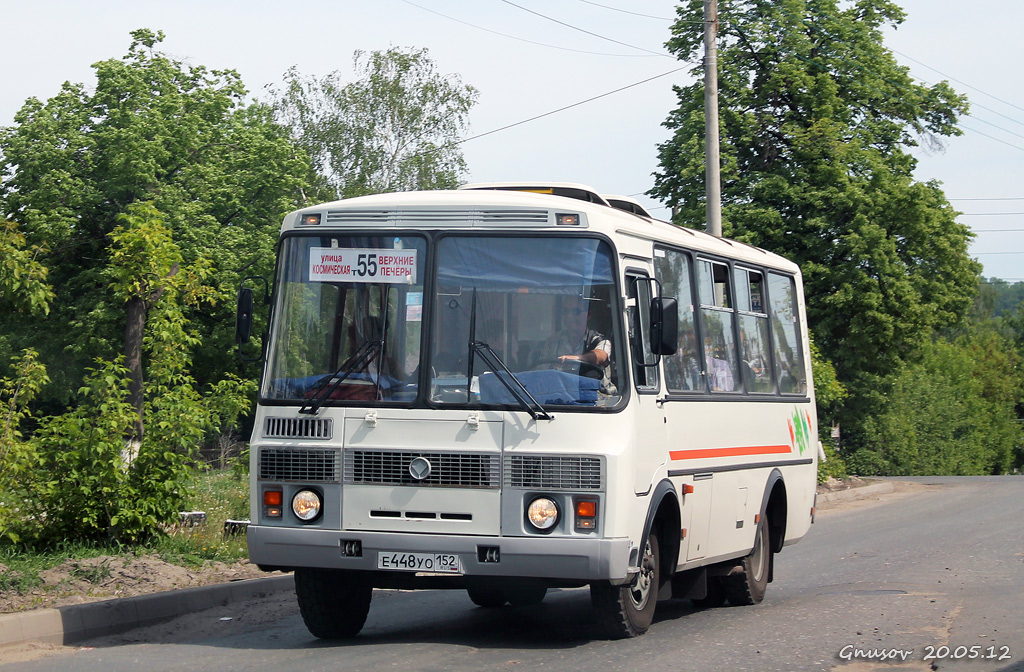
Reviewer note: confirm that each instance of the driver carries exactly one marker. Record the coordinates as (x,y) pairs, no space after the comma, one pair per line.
(576,343)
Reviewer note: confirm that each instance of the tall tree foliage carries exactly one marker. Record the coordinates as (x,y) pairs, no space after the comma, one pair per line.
(90,473)
(951,412)
(156,130)
(394,129)
(816,122)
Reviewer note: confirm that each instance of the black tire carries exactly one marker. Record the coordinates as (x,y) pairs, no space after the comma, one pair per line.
(628,610)
(487,597)
(333,603)
(526,596)
(747,582)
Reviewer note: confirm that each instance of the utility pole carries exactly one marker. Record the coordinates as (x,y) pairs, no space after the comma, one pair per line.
(712,176)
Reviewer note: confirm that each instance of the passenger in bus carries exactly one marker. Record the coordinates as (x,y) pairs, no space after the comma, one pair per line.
(719,371)
(575,342)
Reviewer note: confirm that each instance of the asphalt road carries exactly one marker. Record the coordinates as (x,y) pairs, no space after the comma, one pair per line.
(937,569)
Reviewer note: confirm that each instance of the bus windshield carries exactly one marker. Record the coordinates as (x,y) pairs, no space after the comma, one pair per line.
(511,318)
(542,306)
(347,321)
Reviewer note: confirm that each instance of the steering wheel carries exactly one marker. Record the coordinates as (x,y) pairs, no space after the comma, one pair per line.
(579,367)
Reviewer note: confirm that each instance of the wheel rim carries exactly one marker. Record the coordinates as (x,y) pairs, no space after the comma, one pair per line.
(640,590)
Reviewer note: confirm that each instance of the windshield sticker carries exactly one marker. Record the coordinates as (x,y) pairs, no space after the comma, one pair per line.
(414,307)
(334,264)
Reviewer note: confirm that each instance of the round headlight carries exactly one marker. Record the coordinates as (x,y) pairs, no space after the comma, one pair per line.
(542,513)
(306,505)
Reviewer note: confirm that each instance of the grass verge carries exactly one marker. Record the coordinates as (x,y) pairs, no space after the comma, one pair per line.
(221,494)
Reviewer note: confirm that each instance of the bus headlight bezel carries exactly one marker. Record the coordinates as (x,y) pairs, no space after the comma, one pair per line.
(307,505)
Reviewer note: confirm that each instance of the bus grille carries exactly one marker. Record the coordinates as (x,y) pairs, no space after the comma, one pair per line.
(554,472)
(448,470)
(301,464)
(298,428)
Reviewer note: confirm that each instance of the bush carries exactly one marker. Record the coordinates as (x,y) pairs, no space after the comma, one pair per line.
(952,413)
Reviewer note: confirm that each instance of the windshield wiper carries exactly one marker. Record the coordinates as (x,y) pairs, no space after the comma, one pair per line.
(358,361)
(518,390)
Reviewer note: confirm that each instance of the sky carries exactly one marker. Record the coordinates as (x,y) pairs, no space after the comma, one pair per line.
(525,65)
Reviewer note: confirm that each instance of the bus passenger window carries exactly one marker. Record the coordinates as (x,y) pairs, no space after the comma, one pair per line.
(755,362)
(717,319)
(789,360)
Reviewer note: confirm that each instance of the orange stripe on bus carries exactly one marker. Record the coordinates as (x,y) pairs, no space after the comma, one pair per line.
(728,452)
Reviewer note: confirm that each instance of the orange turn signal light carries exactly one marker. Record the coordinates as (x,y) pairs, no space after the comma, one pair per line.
(586,514)
(272,498)
(585,509)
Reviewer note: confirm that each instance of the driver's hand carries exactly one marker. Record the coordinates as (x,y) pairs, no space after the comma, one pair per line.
(573,358)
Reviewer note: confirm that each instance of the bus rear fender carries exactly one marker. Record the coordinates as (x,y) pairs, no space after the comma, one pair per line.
(774,505)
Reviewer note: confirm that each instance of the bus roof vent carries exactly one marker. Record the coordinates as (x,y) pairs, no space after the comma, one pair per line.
(377,217)
(517,217)
(448,217)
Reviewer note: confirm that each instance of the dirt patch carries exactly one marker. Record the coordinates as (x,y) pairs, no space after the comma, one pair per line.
(838,484)
(107,577)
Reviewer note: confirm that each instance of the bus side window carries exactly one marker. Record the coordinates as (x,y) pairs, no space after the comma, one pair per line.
(682,370)
(645,362)
(755,361)
(789,361)
(718,326)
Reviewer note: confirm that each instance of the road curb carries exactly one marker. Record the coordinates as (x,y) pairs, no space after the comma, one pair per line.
(851,494)
(67,625)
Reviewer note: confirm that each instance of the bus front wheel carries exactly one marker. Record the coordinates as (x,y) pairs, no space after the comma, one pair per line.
(333,603)
(627,610)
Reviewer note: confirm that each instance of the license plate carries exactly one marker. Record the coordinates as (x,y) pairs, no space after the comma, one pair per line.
(438,563)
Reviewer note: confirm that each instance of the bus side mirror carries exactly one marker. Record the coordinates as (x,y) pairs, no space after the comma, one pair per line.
(243,316)
(664,326)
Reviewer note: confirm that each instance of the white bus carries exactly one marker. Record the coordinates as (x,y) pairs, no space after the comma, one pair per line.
(513,388)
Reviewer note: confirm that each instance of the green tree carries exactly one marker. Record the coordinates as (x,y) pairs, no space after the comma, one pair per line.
(90,483)
(158,130)
(394,129)
(816,122)
(22,275)
(18,458)
(951,413)
(829,395)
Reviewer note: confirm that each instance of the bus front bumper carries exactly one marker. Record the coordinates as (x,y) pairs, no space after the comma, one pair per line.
(558,558)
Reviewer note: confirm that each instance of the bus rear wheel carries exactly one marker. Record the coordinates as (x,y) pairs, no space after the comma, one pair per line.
(333,604)
(628,610)
(747,583)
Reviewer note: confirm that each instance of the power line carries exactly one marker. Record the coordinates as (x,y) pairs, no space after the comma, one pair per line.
(567,107)
(625,11)
(569,25)
(990,137)
(815,28)
(1004,102)
(522,39)
(1006,198)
